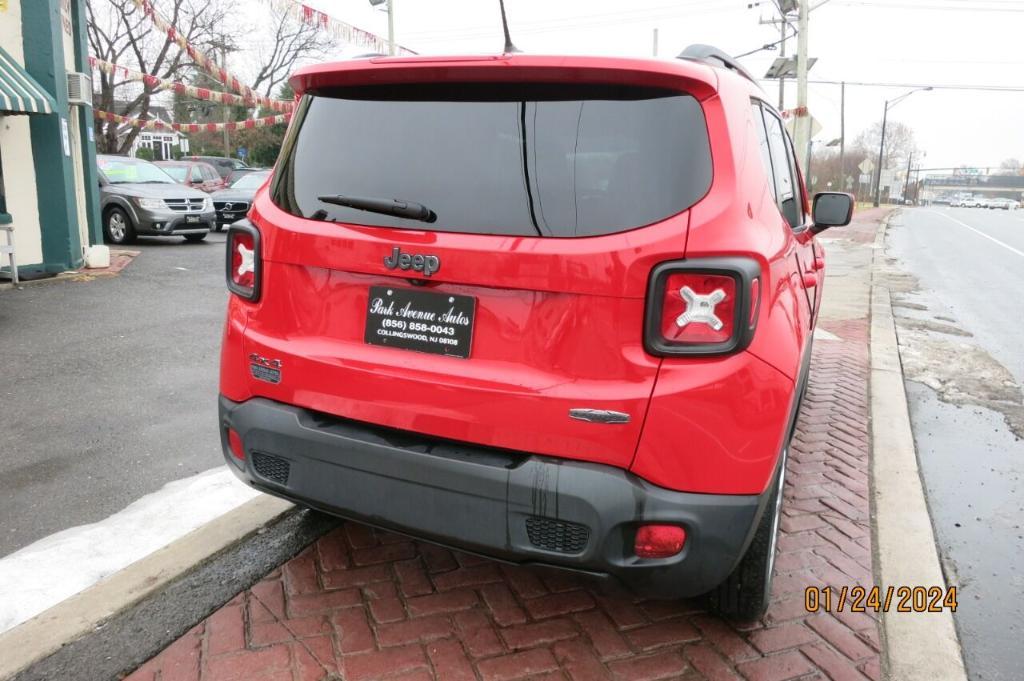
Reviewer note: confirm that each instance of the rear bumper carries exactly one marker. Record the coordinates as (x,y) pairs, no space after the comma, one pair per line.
(581,516)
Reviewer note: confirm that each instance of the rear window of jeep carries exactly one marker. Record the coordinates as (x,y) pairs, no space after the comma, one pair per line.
(525,160)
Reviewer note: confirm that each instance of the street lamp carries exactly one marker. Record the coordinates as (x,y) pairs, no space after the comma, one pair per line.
(391,22)
(889,103)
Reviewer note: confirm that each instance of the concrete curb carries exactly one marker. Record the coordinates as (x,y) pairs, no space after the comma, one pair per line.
(916,646)
(111,628)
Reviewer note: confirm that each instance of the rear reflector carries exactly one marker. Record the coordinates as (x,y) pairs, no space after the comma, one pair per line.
(235,443)
(659,541)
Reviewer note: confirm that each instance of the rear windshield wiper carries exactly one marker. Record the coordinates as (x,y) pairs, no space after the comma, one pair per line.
(396,207)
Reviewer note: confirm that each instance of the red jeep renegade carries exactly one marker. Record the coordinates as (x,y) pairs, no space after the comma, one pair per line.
(552,310)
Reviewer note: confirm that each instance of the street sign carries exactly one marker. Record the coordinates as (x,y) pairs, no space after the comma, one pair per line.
(866,166)
(849,183)
(243,153)
(865,178)
(815,126)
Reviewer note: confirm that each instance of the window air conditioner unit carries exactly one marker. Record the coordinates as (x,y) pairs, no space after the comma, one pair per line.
(79,89)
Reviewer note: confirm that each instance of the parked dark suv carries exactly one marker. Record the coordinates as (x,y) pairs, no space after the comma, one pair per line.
(560,313)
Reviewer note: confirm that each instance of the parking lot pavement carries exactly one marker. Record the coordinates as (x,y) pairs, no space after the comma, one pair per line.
(109,387)
(363,604)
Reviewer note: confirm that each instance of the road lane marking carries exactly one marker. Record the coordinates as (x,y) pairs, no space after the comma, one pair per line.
(978,231)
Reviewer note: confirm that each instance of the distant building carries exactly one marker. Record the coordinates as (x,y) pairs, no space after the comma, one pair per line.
(48,179)
(163,143)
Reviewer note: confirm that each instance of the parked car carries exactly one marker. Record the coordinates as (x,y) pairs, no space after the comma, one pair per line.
(195,174)
(226,167)
(138,198)
(966,202)
(561,314)
(1003,204)
(233,202)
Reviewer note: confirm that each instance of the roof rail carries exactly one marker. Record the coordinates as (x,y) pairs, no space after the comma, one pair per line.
(707,53)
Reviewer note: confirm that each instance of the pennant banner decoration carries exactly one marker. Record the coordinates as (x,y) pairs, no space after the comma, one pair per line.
(339,29)
(204,62)
(188,90)
(153,124)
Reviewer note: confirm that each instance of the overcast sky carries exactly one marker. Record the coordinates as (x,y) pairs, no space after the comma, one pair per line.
(932,42)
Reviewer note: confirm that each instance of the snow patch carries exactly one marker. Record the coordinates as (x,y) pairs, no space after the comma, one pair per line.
(57,567)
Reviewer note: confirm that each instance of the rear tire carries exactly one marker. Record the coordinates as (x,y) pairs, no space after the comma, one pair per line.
(745,594)
(195,238)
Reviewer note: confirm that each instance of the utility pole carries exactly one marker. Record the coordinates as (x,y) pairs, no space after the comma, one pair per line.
(655,50)
(227,108)
(802,119)
(782,53)
(842,136)
(906,182)
(391,27)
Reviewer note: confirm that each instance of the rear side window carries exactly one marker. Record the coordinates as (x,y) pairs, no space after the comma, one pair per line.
(526,160)
(787,191)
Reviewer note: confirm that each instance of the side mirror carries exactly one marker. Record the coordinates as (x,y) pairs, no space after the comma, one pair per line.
(831,209)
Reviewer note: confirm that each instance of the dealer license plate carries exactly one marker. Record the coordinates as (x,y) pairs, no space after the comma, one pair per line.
(438,323)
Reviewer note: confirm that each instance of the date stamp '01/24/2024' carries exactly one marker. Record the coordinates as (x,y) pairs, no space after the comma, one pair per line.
(880,599)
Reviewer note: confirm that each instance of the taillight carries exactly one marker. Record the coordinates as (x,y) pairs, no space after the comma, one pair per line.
(704,306)
(658,541)
(244,263)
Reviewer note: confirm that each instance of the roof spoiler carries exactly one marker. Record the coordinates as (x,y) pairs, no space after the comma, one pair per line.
(710,54)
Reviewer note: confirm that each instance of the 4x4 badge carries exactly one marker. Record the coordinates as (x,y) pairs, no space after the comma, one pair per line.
(427,264)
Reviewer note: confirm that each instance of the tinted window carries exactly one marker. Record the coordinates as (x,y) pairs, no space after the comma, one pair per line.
(517,159)
(762,138)
(785,187)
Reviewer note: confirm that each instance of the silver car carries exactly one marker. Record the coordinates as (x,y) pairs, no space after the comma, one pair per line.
(139,199)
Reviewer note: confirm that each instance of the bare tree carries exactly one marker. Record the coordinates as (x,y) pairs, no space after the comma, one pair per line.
(119,32)
(292,41)
(1009,166)
(899,143)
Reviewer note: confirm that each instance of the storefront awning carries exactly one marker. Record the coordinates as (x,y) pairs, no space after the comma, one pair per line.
(19,92)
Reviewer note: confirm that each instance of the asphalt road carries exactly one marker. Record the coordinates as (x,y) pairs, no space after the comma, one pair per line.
(109,387)
(961,345)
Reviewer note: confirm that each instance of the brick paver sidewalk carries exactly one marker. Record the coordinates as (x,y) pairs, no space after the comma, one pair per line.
(362,604)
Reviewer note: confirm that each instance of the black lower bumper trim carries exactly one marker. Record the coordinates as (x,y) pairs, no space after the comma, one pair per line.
(581,516)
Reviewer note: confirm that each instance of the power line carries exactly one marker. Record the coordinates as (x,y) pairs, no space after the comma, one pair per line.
(985,88)
(567,23)
(769,46)
(933,6)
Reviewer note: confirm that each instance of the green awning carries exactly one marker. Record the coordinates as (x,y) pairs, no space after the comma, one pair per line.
(19,92)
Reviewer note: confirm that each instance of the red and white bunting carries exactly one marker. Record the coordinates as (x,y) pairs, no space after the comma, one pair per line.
(204,62)
(187,90)
(341,30)
(153,124)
